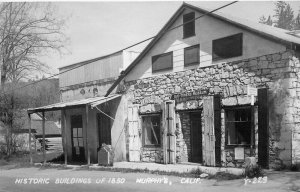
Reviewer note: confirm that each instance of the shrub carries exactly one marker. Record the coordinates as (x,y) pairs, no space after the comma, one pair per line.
(252,171)
(295,167)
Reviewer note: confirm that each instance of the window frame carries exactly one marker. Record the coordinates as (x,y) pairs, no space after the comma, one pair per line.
(241,39)
(143,130)
(226,128)
(184,35)
(198,55)
(72,127)
(160,55)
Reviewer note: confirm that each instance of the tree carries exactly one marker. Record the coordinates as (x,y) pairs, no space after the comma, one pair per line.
(284,16)
(268,21)
(28,31)
(297,23)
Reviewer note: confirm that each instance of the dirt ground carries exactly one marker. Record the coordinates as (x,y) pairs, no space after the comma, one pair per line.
(37,179)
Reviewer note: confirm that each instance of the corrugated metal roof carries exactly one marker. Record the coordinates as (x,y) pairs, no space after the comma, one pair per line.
(58,106)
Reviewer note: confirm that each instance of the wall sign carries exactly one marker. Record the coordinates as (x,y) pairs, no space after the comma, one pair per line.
(195,95)
(239,153)
(151,100)
(252,92)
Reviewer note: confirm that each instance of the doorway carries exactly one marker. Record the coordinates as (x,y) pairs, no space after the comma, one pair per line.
(196,137)
(104,129)
(77,138)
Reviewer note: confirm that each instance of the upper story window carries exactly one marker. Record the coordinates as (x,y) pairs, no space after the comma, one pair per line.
(189,26)
(238,126)
(162,62)
(227,47)
(191,55)
(151,130)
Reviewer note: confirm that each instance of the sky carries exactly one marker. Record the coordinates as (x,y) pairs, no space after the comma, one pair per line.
(99,28)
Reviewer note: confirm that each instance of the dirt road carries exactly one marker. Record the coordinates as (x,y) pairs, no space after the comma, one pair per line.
(40,180)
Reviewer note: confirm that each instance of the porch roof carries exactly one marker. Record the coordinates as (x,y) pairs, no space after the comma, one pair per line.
(63,105)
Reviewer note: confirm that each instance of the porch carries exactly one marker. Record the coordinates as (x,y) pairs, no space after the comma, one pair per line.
(82,130)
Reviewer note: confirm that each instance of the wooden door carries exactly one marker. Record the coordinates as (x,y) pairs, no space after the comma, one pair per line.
(169,128)
(77,138)
(209,135)
(104,129)
(212,130)
(133,133)
(196,137)
(263,128)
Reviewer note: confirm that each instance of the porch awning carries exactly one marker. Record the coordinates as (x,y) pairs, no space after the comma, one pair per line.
(62,105)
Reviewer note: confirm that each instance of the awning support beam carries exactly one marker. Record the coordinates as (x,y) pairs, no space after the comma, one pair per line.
(87,138)
(104,113)
(65,136)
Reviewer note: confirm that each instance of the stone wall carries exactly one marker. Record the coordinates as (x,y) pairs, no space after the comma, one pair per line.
(152,155)
(183,143)
(279,72)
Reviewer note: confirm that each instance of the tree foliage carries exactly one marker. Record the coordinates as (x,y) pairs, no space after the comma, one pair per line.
(28,31)
(268,21)
(283,17)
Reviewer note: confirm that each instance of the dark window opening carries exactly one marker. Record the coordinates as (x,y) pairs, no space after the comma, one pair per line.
(191,55)
(162,62)
(238,126)
(151,130)
(189,25)
(228,47)
(77,130)
(104,127)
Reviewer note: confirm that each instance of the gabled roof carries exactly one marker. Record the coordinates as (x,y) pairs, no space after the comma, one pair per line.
(272,33)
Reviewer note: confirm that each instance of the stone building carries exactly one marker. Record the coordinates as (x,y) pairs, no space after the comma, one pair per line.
(186,93)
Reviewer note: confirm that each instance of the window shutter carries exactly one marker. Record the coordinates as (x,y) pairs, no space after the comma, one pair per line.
(191,55)
(209,135)
(189,26)
(134,140)
(162,62)
(263,128)
(169,137)
(217,124)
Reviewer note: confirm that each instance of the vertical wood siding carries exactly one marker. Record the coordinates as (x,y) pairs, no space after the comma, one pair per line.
(102,69)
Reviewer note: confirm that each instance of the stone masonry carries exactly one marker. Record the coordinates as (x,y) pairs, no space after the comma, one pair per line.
(279,72)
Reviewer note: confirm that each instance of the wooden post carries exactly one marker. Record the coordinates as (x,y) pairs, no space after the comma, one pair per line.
(30,153)
(65,136)
(252,131)
(87,139)
(209,131)
(44,144)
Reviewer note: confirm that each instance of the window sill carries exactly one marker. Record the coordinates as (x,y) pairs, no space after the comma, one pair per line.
(151,148)
(221,58)
(189,36)
(238,145)
(191,64)
(163,70)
